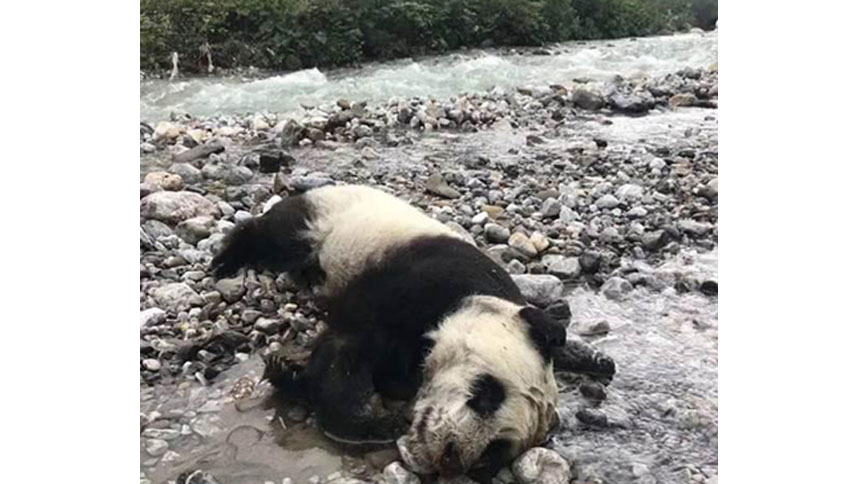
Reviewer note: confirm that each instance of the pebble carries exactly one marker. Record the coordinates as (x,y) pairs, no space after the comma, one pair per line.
(616,287)
(519,242)
(395,473)
(551,208)
(539,465)
(151,317)
(231,289)
(156,447)
(151,364)
(607,202)
(437,185)
(495,233)
(174,207)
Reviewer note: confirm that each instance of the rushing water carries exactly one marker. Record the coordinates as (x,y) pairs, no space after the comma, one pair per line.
(439,77)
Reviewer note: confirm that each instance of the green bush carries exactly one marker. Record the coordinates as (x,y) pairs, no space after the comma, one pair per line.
(294,34)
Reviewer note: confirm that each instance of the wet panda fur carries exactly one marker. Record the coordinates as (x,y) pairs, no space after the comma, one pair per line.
(415,313)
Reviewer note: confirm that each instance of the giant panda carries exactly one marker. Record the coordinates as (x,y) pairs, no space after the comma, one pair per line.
(415,313)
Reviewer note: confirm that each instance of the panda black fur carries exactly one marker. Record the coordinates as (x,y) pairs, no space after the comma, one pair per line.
(414,313)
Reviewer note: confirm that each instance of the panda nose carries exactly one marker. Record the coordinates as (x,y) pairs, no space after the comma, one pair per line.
(450,465)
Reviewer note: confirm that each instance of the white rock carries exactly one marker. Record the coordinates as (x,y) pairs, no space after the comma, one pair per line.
(395,473)
(541,466)
(152,316)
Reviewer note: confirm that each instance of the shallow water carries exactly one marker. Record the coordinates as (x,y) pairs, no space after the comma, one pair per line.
(440,77)
(662,404)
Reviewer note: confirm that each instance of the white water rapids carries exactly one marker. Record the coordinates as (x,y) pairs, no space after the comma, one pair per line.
(439,77)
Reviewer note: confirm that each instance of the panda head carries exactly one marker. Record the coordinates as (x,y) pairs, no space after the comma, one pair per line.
(489,392)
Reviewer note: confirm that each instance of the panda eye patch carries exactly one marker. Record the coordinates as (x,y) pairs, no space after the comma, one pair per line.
(488,394)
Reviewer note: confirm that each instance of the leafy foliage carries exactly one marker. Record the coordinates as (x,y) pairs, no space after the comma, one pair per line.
(294,34)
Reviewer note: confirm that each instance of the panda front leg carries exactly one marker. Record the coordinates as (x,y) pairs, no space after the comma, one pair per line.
(347,406)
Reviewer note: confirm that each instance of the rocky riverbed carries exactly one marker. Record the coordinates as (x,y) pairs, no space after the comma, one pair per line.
(603,194)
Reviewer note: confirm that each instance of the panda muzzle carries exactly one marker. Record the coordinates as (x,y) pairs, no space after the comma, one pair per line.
(450,463)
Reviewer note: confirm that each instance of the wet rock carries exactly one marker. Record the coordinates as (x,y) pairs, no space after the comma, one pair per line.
(292,133)
(437,185)
(496,233)
(231,289)
(539,465)
(592,390)
(151,317)
(600,327)
(195,229)
(164,180)
(539,289)
(189,173)
(395,473)
(631,103)
(271,161)
(682,99)
(616,288)
(592,417)
(176,295)
(519,242)
(199,151)
(174,207)
(590,261)
(708,288)
(584,99)
(156,447)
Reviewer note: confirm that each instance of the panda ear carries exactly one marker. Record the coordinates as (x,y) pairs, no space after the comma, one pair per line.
(545,332)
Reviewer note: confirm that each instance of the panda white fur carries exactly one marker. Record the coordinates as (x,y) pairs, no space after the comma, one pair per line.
(415,313)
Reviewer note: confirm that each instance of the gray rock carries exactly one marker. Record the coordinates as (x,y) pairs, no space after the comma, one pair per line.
(632,103)
(268,326)
(584,99)
(564,267)
(231,289)
(176,296)
(540,289)
(147,188)
(152,316)
(199,477)
(305,183)
(156,447)
(657,164)
(437,185)
(551,208)
(237,175)
(600,327)
(567,215)
(395,473)
(693,227)
(656,240)
(516,267)
(637,212)
(163,434)
(616,288)
(362,131)
(195,229)
(710,190)
(188,172)
(592,417)
(630,192)
(539,465)
(292,133)
(607,202)
(174,207)
(496,233)
(481,218)
(199,151)
(151,364)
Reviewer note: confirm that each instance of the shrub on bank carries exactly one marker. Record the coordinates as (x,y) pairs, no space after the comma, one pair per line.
(294,34)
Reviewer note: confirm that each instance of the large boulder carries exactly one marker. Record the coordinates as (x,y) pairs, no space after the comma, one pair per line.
(174,207)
